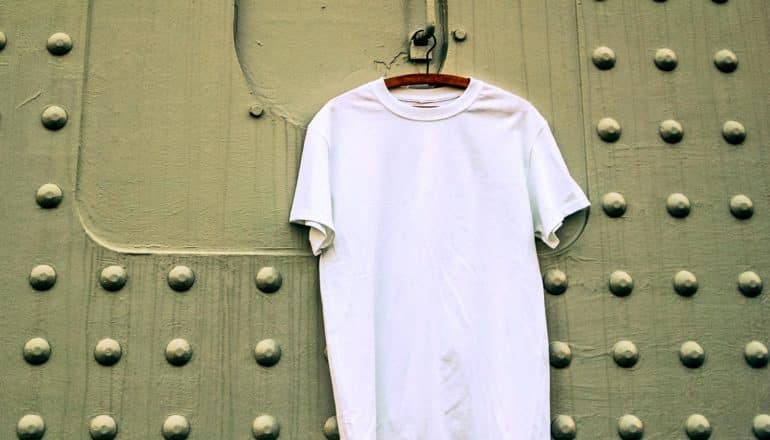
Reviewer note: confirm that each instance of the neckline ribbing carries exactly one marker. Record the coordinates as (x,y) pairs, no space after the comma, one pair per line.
(405,110)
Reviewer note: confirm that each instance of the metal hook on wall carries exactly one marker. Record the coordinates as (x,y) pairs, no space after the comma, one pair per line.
(419,40)
(421,37)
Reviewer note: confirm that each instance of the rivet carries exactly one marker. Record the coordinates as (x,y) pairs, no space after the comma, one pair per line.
(621,283)
(604,57)
(691,354)
(178,352)
(625,353)
(42,277)
(103,427)
(268,279)
(734,132)
(3,40)
(37,351)
(48,196)
(678,205)
(265,427)
(30,427)
(726,60)
(459,34)
(331,430)
(113,278)
(181,278)
(741,206)
(555,281)
(107,351)
(749,283)
(697,427)
(761,426)
(608,129)
(560,354)
(59,43)
(326,353)
(563,427)
(756,354)
(630,427)
(176,427)
(256,110)
(685,283)
(671,131)
(666,59)
(267,352)
(53,117)
(614,204)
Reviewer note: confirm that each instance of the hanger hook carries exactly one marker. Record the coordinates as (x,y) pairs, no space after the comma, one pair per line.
(427,54)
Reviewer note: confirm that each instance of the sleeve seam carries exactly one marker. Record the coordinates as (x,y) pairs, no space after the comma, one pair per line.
(321,135)
(532,145)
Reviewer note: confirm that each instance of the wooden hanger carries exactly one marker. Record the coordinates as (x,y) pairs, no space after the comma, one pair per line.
(442,79)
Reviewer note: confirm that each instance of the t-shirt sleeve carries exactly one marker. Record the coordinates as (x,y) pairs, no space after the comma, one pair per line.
(312,204)
(553,193)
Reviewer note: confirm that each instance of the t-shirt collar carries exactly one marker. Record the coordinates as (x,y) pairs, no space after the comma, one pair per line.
(442,111)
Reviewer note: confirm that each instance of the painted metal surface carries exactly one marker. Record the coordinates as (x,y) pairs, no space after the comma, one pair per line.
(153,288)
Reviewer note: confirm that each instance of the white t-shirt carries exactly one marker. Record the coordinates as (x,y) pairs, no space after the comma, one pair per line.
(425,220)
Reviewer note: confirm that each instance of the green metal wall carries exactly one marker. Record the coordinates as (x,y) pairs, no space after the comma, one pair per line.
(158,194)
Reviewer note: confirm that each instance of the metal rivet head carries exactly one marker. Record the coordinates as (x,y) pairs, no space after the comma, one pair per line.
(630,427)
(666,59)
(53,117)
(733,132)
(741,206)
(761,426)
(560,354)
(107,351)
(48,196)
(604,57)
(625,353)
(671,131)
(563,427)
(181,278)
(103,427)
(268,279)
(749,283)
(37,351)
(614,204)
(175,427)
(3,40)
(678,205)
(685,283)
(726,60)
(555,281)
(608,129)
(178,352)
(113,278)
(30,427)
(42,277)
(267,352)
(691,354)
(697,427)
(756,354)
(331,430)
(265,427)
(621,283)
(459,34)
(59,43)
(256,110)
